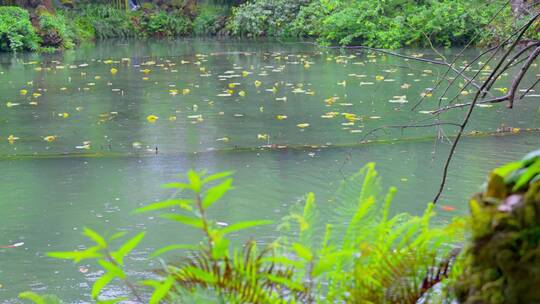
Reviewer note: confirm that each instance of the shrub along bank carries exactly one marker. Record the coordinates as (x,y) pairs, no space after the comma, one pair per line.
(383,24)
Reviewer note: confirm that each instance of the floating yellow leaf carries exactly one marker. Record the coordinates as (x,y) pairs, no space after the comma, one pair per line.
(49,138)
(257,83)
(152,118)
(281,117)
(23,92)
(262,136)
(11,139)
(113,71)
(186,91)
(302,125)
(242,93)
(64,115)
(379,77)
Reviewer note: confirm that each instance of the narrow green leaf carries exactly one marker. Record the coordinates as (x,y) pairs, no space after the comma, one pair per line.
(166,249)
(161,291)
(34,297)
(127,248)
(194,181)
(186,220)
(217,176)
(117,235)
(508,168)
(215,193)
(200,274)
(529,174)
(162,205)
(175,186)
(100,283)
(100,241)
(242,226)
(112,269)
(285,282)
(77,256)
(302,251)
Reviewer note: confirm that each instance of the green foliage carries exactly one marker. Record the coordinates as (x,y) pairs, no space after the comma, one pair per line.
(264,18)
(210,20)
(161,23)
(374,258)
(39,299)
(110,260)
(105,21)
(383,24)
(500,264)
(55,32)
(16,31)
(397,23)
(371,258)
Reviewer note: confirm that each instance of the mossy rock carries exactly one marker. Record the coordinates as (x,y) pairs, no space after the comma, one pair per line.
(502,260)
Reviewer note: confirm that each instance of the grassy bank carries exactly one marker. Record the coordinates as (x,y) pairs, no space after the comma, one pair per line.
(383,24)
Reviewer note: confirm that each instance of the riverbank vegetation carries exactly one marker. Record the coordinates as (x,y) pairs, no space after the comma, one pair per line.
(382,24)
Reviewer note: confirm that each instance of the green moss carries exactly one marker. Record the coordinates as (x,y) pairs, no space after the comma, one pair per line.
(502,262)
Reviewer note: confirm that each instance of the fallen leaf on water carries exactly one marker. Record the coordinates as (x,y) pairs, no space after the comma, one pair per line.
(11,139)
(49,138)
(447,208)
(152,118)
(302,125)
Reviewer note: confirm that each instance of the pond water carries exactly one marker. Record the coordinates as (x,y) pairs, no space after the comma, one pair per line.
(82,150)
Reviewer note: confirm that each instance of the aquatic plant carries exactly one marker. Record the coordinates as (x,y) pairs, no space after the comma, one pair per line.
(372,258)
(16,30)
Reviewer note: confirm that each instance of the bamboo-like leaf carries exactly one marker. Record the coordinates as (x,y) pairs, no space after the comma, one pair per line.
(112,269)
(166,249)
(127,248)
(117,235)
(186,220)
(217,176)
(161,291)
(162,205)
(34,297)
(215,193)
(77,256)
(194,181)
(100,283)
(175,186)
(243,225)
(100,241)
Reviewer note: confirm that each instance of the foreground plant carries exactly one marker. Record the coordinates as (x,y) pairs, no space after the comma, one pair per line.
(371,258)
(501,262)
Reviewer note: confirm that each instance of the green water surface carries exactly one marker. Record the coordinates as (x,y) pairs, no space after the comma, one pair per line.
(100,160)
